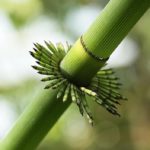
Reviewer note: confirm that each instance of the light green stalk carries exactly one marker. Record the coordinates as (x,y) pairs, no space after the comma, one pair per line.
(35,122)
(102,38)
(110,28)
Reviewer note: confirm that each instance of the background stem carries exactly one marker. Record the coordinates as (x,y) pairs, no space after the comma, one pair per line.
(35,122)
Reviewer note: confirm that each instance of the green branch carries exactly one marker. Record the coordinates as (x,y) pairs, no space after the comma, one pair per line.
(78,67)
(35,122)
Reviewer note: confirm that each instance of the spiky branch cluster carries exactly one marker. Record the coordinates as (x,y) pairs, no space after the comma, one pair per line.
(103,87)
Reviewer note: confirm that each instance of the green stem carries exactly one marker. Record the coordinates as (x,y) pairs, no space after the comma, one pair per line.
(102,38)
(113,24)
(35,122)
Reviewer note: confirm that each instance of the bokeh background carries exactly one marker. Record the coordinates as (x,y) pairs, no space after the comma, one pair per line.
(23,22)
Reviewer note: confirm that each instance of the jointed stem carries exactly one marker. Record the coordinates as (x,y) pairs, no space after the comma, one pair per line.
(102,38)
(113,24)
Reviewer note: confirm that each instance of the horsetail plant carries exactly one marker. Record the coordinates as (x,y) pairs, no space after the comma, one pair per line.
(75,72)
(102,88)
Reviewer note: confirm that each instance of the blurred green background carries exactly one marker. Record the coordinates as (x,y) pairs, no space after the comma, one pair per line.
(23,22)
